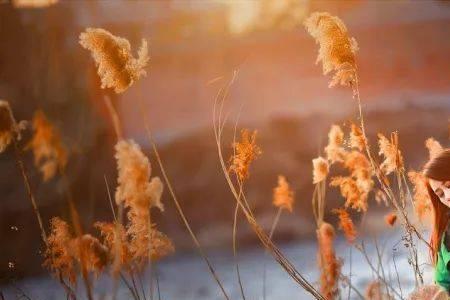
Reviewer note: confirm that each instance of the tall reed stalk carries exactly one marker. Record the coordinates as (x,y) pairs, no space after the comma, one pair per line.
(177,203)
(264,238)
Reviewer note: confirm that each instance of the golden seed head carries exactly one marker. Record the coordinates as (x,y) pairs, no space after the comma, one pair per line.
(50,155)
(336,49)
(117,67)
(245,152)
(283,196)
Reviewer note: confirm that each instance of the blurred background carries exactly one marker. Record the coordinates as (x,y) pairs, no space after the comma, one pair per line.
(195,46)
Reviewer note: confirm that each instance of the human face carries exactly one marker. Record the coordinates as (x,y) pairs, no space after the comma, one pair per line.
(442,190)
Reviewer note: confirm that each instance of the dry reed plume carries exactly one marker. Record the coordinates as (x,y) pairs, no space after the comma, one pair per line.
(422,201)
(346,224)
(50,155)
(376,291)
(135,189)
(117,67)
(139,194)
(283,196)
(9,128)
(329,265)
(429,292)
(357,140)
(334,150)
(320,169)
(245,152)
(337,50)
(115,239)
(389,149)
(88,250)
(354,198)
(58,258)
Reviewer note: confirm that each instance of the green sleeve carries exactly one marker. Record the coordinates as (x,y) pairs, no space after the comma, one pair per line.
(445,253)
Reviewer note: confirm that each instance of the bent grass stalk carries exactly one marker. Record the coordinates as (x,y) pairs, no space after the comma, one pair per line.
(236,212)
(265,240)
(177,204)
(272,230)
(409,228)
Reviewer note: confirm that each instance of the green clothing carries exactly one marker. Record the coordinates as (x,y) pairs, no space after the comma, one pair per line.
(441,271)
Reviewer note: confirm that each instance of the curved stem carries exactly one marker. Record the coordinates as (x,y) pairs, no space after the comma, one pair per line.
(236,211)
(178,206)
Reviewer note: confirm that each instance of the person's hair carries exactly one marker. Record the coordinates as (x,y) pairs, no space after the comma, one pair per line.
(438,168)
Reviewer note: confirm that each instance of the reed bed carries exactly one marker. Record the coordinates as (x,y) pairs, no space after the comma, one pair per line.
(128,244)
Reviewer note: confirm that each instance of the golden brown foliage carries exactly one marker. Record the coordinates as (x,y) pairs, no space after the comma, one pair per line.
(355,198)
(393,159)
(50,155)
(320,169)
(283,196)
(89,252)
(245,152)
(161,245)
(329,265)
(361,170)
(134,186)
(337,50)
(375,291)
(357,140)
(6,125)
(334,150)
(433,146)
(58,258)
(115,239)
(117,67)
(9,128)
(139,194)
(390,218)
(346,224)
(429,292)
(422,201)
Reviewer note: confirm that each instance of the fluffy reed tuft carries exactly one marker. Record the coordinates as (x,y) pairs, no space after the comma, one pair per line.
(50,155)
(9,128)
(337,50)
(393,159)
(346,224)
(134,186)
(161,245)
(58,258)
(283,196)
(90,253)
(361,170)
(117,67)
(329,265)
(375,291)
(320,169)
(422,201)
(334,150)
(355,198)
(139,194)
(115,239)
(429,292)
(245,152)
(357,140)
